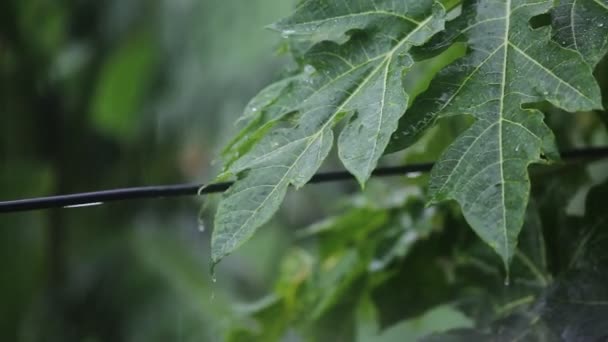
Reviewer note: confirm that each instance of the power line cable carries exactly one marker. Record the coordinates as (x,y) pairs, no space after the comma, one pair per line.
(159,191)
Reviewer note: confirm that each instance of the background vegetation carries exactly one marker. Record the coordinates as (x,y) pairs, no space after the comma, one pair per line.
(97,95)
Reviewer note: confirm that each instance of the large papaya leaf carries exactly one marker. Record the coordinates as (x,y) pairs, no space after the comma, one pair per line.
(582,25)
(508,65)
(360,78)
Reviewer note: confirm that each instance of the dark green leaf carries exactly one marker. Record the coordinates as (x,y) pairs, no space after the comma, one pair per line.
(508,64)
(582,25)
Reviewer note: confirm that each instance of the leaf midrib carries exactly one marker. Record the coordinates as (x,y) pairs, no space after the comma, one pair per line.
(574,40)
(504,45)
(381,119)
(599,3)
(501,112)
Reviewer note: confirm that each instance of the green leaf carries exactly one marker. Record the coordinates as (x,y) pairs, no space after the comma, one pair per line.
(435,320)
(337,275)
(319,20)
(509,64)
(578,306)
(123,82)
(260,114)
(573,309)
(582,25)
(265,322)
(360,78)
(575,306)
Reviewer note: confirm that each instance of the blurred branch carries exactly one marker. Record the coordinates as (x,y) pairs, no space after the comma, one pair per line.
(100,197)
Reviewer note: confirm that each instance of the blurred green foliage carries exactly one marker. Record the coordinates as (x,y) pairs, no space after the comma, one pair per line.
(108,94)
(124,80)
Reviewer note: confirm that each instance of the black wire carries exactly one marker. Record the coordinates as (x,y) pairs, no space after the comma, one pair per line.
(98,197)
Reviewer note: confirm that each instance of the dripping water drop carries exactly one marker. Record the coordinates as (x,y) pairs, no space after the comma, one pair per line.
(201,225)
(213,280)
(212,271)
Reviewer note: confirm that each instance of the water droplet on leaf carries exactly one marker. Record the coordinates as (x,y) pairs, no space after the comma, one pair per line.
(406,60)
(309,69)
(287,33)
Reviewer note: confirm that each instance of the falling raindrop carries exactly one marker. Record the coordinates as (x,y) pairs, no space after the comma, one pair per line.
(507,280)
(212,271)
(600,25)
